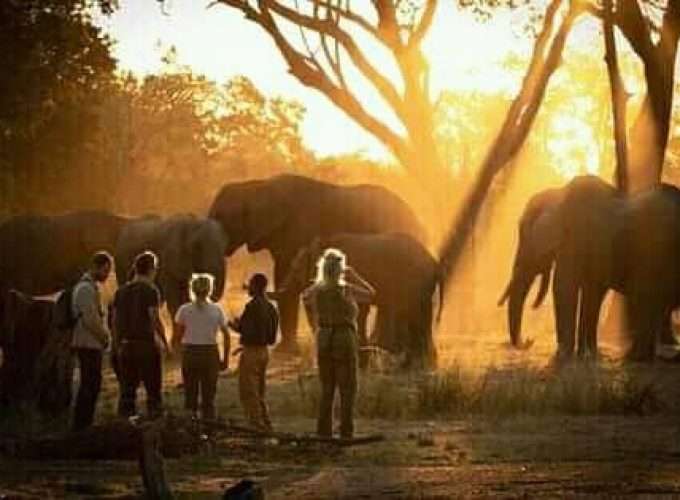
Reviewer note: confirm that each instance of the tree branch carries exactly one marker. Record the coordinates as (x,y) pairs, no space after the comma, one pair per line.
(310,76)
(424,26)
(513,133)
(322,26)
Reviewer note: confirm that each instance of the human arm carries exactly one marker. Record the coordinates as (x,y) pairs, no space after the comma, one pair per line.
(180,328)
(226,343)
(154,305)
(362,290)
(309,301)
(226,340)
(158,326)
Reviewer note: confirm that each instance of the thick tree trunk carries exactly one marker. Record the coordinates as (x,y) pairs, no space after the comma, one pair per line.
(513,133)
(619,100)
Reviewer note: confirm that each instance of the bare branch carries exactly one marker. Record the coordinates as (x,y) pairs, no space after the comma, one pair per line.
(323,26)
(300,67)
(424,25)
(513,132)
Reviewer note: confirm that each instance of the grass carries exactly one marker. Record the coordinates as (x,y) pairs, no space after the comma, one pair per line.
(579,389)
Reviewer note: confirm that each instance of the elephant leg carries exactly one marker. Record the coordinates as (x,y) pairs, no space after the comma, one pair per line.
(288,304)
(362,319)
(565,301)
(647,317)
(589,314)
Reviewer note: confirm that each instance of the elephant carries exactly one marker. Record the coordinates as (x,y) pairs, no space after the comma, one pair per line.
(404,275)
(598,240)
(31,347)
(285,213)
(572,229)
(42,254)
(185,244)
(651,237)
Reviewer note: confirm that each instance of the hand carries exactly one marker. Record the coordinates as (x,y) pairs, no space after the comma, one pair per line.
(224,365)
(233,324)
(106,342)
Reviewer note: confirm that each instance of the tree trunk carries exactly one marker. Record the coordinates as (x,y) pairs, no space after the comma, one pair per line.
(513,133)
(619,100)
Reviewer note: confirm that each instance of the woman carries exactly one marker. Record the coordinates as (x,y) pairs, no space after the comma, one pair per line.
(331,304)
(197,323)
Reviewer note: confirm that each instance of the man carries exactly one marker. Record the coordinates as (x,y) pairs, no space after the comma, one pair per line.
(257,327)
(90,337)
(139,336)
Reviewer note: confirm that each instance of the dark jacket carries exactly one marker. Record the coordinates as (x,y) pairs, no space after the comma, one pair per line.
(258,323)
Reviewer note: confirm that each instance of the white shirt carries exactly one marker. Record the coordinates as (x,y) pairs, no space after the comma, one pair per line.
(201,323)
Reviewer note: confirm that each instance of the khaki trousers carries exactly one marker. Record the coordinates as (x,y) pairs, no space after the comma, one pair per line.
(252,374)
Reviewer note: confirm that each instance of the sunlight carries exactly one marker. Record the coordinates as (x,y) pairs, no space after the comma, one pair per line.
(573,147)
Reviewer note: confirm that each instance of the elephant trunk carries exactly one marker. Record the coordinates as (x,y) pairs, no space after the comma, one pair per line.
(220,279)
(545,284)
(516,293)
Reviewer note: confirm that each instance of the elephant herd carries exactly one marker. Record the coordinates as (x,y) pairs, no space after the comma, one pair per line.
(588,238)
(286,214)
(585,237)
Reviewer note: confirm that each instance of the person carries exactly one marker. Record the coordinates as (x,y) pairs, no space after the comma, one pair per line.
(196,326)
(331,305)
(91,337)
(139,336)
(257,327)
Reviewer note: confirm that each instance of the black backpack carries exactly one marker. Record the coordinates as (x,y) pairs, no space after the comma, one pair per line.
(64,317)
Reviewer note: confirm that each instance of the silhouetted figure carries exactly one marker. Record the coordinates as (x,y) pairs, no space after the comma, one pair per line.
(257,326)
(90,337)
(197,324)
(331,305)
(139,336)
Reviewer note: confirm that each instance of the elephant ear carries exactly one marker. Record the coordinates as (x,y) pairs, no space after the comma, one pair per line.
(545,234)
(265,215)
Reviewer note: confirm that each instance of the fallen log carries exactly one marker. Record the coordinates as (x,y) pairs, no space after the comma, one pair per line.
(285,437)
(119,440)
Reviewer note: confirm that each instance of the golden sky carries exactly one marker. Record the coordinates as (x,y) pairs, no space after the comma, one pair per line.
(219,42)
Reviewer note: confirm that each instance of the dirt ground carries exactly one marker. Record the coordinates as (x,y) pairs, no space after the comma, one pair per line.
(470,456)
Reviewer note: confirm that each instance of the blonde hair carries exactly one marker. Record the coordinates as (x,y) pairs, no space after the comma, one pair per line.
(330,268)
(201,287)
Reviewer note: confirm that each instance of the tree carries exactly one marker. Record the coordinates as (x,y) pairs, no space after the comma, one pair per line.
(53,57)
(395,27)
(651,127)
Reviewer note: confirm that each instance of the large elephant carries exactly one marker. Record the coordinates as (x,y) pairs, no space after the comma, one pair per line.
(285,213)
(404,275)
(600,240)
(651,239)
(42,254)
(185,244)
(575,228)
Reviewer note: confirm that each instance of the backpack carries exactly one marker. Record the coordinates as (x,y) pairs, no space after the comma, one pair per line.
(65,318)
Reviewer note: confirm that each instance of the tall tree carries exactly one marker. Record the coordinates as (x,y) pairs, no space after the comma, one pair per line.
(331,32)
(655,44)
(53,56)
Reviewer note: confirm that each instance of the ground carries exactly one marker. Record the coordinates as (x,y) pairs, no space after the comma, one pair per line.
(510,427)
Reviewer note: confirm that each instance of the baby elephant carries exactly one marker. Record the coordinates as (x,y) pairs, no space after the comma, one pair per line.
(404,275)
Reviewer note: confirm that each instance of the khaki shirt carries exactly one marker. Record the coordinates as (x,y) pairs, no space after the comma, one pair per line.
(87,307)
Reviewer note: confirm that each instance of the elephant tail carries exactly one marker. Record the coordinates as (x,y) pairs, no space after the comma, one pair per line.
(543,290)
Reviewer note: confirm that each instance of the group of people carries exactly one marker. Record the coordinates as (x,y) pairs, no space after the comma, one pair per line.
(136,336)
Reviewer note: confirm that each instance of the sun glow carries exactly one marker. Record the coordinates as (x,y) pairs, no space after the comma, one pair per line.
(463,54)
